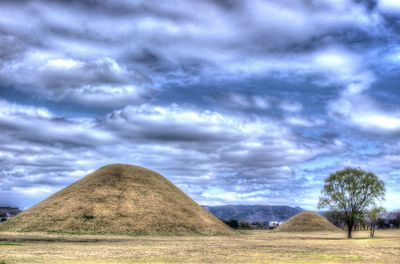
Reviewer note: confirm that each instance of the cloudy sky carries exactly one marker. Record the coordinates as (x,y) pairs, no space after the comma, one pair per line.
(236,102)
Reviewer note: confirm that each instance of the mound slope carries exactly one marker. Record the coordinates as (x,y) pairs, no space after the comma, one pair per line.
(119,199)
(306,222)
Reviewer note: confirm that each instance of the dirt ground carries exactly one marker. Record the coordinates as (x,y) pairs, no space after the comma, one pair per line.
(244,247)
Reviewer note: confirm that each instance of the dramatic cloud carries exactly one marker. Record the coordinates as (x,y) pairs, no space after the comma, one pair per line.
(362,112)
(69,53)
(192,147)
(234,101)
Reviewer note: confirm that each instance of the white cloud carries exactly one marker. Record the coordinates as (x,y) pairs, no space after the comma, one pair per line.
(304,122)
(192,147)
(7,110)
(364,113)
(151,44)
(39,125)
(290,106)
(116,53)
(101,83)
(108,96)
(235,197)
(389,6)
(63,63)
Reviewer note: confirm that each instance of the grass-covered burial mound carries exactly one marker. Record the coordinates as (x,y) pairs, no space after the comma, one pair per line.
(307,222)
(119,199)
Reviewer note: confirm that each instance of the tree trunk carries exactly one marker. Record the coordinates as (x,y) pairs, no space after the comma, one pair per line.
(350,229)
(372,233)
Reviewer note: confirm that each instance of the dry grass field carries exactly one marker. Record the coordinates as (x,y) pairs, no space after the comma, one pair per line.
(245,247)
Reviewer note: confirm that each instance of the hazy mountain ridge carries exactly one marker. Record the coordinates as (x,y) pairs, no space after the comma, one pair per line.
(254,213)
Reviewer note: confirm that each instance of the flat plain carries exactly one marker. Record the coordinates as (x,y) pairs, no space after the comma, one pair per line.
(244,247)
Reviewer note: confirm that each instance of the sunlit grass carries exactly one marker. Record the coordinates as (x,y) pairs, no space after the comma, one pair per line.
(9,244)
(245,247)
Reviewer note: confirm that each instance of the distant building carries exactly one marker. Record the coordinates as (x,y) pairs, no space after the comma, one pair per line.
(8,212)
(273,224)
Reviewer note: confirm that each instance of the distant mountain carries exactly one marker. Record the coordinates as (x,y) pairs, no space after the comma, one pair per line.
(254,213)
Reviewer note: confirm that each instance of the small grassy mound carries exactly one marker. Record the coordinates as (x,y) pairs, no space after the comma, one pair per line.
(120,200)
(307,222)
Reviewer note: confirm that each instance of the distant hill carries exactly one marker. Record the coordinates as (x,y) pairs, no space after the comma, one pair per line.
(119,199)
(254,213)
(8,212)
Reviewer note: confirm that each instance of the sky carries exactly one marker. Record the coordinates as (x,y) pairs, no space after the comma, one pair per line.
(235,102)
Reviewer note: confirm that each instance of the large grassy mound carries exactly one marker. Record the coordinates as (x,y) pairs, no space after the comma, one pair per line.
(119,199)
(307,222)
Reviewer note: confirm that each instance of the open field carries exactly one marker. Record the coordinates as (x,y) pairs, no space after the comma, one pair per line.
(245,247)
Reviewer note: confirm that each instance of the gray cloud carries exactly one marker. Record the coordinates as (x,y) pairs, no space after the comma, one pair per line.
(303,101)
(190,146)
(68,56)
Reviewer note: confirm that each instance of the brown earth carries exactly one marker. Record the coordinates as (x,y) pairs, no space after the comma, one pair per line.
(119,199)
(307,222)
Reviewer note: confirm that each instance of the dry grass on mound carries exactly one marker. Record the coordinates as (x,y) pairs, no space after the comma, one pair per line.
(119,199)
(307,222)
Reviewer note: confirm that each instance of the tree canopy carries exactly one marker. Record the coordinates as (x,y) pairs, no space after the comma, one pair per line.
(351,191)
(373,217)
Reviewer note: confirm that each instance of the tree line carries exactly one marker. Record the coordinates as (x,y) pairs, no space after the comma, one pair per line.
(235,224)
